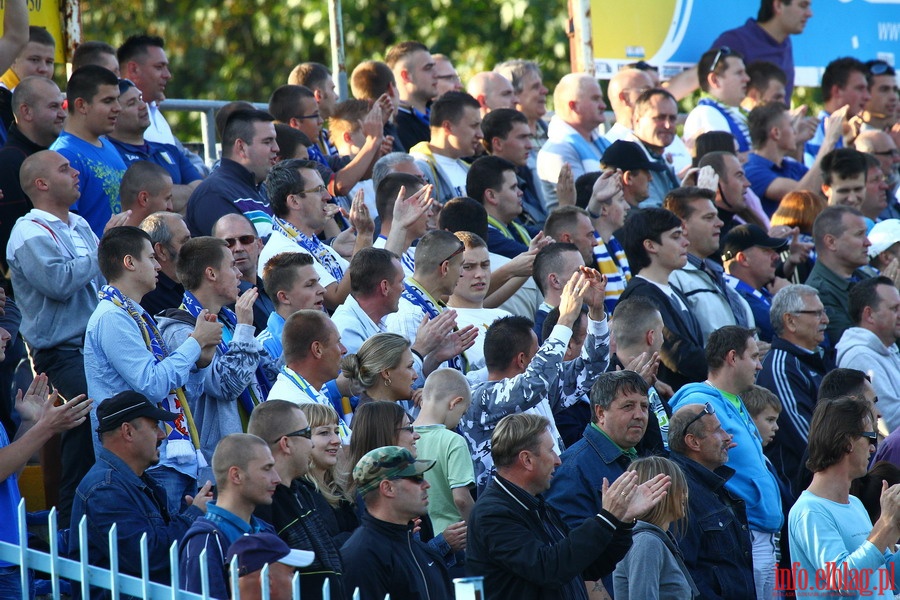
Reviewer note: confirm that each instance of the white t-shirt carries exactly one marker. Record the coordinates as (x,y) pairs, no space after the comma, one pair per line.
(454,171)
(482,319)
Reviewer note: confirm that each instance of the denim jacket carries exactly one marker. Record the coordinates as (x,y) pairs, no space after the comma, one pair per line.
(112,493)
(575,489)
(716,543)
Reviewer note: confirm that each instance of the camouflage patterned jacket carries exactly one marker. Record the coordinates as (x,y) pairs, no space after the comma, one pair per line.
(548,385)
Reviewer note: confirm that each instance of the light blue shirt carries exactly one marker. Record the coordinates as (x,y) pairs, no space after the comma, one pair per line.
(270,337)
(117,359)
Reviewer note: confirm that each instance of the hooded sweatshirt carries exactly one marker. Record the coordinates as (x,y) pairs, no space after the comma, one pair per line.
(861,349)
(752,481)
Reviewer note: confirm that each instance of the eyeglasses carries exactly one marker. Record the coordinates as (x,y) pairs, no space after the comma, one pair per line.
(306,432)
(708,409)
(871,436)
(245,240)
(723,51)
(818,313)
(304,117)
(456,252)
(319,189)
(407,429)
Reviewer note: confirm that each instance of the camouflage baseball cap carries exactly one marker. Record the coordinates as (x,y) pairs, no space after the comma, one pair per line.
(390,462)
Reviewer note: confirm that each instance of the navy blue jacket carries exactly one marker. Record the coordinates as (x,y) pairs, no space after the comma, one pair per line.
(682,356)
(384,558)
(231,188)
(716,544)
(525,551)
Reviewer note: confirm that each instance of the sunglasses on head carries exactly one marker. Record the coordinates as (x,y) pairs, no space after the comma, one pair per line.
(723,52)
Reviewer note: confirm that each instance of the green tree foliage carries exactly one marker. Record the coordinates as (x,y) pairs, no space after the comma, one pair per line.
(244,49)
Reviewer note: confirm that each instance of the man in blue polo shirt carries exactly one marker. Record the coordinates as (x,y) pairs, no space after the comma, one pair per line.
(770,169)
(128,139)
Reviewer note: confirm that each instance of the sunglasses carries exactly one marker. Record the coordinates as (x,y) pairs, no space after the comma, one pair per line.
(879,68)
(708,409)
(245,240)
(306,432)
(456,252)
(417,479)
(723,52)
(871,436)
(408,429)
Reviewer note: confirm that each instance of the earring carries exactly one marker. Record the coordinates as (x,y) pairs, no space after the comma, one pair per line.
(387,382)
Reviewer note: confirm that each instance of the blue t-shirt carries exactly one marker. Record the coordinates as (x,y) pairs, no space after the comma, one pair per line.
(165,155)
(100,170)
(761,172)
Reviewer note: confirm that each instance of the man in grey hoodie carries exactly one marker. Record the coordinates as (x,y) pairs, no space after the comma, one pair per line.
(871,344)
(52,256)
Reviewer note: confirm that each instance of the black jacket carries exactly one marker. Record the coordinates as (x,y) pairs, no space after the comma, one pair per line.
(384,558)
(294,516)
(525,551)
(682,357)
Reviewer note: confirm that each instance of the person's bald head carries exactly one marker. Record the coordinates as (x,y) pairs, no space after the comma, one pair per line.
(47,177)
(568,88)
(578,101)
(882,146)
(492,90)
(624,88)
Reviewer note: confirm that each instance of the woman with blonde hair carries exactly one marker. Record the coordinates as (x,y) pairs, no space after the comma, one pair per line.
(326,476)
(654,567)
(382,369)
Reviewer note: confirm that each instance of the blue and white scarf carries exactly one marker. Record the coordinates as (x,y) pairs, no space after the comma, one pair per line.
(182,438)
(258,390)
(312,245)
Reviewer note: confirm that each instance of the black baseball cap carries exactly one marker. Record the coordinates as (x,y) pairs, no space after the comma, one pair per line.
(628,156)
(127,406)
(743,237)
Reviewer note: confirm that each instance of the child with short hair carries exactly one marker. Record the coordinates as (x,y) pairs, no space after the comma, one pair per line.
(445,399)
(764,407)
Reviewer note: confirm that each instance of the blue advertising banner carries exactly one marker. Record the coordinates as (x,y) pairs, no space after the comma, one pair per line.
(672,34)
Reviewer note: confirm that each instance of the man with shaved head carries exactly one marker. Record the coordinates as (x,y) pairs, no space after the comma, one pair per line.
(52,257)
(573,136)
(492,90)
(39,119)
(624,88)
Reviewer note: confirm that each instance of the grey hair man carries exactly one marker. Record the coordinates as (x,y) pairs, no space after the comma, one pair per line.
(168,233)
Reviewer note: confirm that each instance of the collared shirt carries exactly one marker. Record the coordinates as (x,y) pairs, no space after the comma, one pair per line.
(761,172)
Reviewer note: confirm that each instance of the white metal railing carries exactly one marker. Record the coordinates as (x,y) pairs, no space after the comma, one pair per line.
(207,110)
(57,567)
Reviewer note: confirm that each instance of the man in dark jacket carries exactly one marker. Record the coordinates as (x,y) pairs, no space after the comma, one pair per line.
(293,511)
(716,543)
(520,544)
(382,556)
